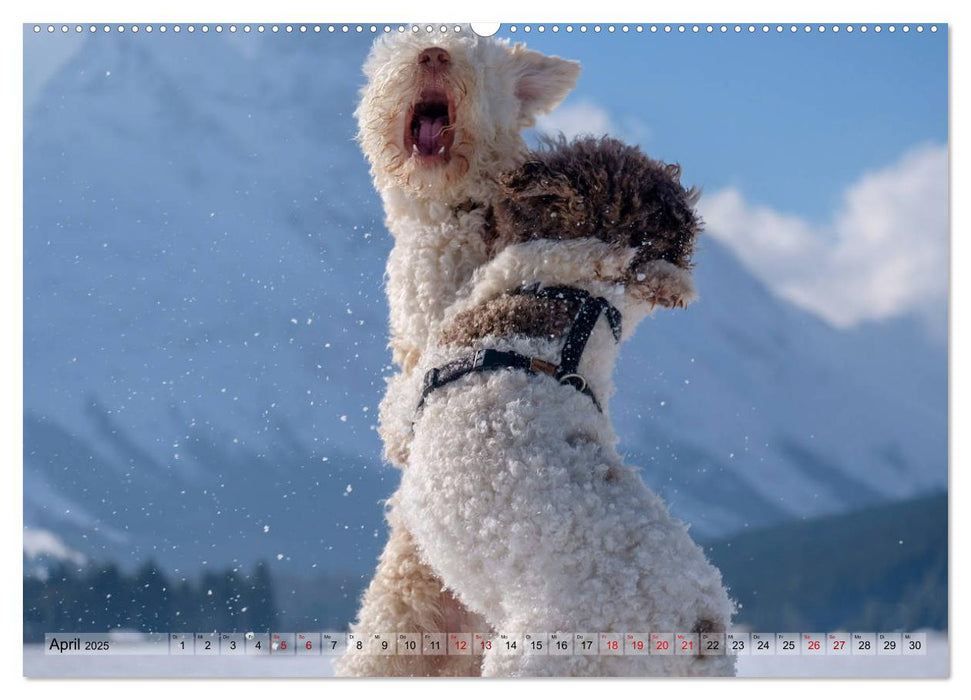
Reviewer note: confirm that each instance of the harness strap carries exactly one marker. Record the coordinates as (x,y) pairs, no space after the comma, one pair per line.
(588,313)
(486,360)
(577,296)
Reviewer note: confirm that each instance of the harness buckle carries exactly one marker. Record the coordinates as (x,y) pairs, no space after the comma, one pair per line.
(488,358)
(430,382)
(479,358)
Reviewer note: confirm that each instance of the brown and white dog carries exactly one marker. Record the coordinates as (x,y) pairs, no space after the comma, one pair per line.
(515,492)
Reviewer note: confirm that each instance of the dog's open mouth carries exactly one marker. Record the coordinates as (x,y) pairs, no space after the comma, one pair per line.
(429,129)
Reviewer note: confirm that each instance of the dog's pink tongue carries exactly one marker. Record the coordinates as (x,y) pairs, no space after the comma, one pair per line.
(428,132)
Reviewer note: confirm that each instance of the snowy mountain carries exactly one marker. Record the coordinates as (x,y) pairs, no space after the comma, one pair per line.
(205,329)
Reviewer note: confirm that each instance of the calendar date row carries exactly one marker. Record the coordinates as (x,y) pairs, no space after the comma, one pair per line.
(479,643)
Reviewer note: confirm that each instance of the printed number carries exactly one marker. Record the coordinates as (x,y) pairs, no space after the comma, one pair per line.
(788,645)
(712,644)
(359,644)
(537,644)
(864,644)
(613,645)
(889,645)
(562,645)
(384,646)
(586,644)
(435,645)
(838,645)
(738,644)
(208,645)
(813,645)
(511,645)
(333,644)
(283,645)
(232,645)
(763,645)
(662,645)
(182,644)
(259,645)
(914,645)
(309,645)
(687,644)
(409,645)
(461,645)
(638,645)
(486,644)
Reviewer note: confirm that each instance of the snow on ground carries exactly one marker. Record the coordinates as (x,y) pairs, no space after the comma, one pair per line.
(935,664)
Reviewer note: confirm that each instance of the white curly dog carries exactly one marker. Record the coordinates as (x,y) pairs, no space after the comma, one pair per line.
(440,117)
(514,489)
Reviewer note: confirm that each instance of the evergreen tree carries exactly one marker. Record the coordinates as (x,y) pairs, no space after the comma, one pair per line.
(150,596)
(261,609)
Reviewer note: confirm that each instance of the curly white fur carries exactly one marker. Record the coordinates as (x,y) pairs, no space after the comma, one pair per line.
(518,498)
(438,215)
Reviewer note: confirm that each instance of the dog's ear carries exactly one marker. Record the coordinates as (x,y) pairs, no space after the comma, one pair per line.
(541,81)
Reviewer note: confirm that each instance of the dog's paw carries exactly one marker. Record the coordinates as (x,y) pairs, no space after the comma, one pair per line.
(660,283)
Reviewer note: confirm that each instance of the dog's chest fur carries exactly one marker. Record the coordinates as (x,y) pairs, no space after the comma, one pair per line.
(437,248)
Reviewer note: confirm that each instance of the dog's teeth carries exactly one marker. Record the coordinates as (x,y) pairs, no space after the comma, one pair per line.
(414,148)
(441,151)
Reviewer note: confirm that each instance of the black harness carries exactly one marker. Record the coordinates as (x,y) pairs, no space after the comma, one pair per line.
(588,313)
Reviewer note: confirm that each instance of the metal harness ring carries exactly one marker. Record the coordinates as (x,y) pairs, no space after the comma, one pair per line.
(583,382)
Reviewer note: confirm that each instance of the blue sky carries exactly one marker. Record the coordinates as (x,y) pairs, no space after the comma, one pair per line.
(793,119)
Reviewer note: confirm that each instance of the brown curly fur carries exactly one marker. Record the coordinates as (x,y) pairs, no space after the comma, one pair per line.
(599,188)
(585,188)
(511,314)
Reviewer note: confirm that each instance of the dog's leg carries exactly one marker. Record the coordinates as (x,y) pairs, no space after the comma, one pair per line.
(406,596)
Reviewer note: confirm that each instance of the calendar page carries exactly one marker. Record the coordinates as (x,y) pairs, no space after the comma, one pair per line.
(516,349)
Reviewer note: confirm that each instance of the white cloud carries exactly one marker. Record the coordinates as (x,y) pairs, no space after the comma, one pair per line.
(883,254)
(38,543)
(578,118)
(583,117)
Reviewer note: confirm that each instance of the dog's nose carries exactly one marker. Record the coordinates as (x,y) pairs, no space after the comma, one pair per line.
(434,59)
